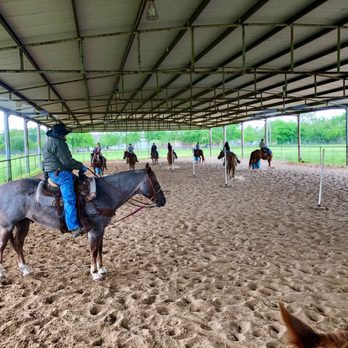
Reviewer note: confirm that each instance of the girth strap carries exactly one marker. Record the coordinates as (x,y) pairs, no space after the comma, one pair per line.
(106,212)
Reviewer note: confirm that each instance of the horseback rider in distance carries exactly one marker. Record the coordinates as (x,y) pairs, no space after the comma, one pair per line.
(228,151)
(130,149)
(264,148)
(59,164)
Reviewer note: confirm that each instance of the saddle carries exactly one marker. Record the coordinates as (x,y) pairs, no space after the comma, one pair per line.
(48,194)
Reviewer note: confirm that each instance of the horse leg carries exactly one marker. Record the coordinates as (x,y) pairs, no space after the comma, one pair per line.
(5,234)
(101,269)
(17,241)
(94,241)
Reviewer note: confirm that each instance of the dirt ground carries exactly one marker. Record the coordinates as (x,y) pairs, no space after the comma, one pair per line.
(206,270)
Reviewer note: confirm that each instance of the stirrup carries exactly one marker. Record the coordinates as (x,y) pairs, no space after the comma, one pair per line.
(78,232)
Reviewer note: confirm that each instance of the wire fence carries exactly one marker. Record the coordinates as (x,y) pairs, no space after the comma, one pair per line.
(335,155)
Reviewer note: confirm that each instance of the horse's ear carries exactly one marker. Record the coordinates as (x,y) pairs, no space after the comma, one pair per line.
(299,333)
(148,168)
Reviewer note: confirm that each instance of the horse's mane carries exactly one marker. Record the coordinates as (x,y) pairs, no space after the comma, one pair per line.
(303,336)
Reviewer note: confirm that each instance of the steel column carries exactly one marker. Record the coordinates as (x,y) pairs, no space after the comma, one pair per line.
(346,136)
(210,139)
(224,133)
(26,146)
(299,156)
(266,132)
(7,148)
(242,139)
(38,136)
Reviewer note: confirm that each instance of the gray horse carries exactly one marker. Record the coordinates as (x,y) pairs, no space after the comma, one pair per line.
(18,208)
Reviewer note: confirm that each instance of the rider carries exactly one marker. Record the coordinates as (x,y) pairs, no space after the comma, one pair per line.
(170,149)
(197,147)
(264,147)
(58,163)
(97,149)
(228,151)
(154,150)
(131,150)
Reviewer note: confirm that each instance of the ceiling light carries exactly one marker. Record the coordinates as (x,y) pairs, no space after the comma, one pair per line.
(151,11)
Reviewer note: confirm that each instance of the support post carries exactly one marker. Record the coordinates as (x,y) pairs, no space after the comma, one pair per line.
(299,156)
(242,139)
(266,132)
(38,138)
(225,168)
(346,136)
(210,139)
(26,146)
(224,133)
(7,148)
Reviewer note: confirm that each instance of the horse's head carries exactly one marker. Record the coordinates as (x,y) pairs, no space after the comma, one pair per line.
(221,154)
(151,188)
(125,154)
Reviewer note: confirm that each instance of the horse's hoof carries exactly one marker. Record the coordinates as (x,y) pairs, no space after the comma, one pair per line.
(97,276)
(102,270)
(24,270)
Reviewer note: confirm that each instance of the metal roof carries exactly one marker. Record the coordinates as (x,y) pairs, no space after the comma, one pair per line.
(102,66)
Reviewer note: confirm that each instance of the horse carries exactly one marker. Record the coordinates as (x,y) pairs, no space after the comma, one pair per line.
(301,335)
(231,162)
(18,208)
(154,157)
(198,155)
(98,162)
(256,156)
(131,158)
(171,157)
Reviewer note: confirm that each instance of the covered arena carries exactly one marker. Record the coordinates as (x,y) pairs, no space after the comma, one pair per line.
(210,267)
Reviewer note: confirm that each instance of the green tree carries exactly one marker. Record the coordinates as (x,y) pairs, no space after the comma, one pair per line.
(80,140)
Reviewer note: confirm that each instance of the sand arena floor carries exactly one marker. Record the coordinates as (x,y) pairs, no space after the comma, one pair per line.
(207,270)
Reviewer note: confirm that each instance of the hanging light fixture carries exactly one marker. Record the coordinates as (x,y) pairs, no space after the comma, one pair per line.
(151,11)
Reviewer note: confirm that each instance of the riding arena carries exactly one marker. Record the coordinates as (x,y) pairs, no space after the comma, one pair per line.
(207,251)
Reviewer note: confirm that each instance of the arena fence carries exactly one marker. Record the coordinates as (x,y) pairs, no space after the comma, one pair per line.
(335,155)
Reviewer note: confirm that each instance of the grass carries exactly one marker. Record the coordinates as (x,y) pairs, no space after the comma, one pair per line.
(334,155)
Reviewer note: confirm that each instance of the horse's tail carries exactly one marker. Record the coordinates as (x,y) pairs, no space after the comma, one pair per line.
(251,159)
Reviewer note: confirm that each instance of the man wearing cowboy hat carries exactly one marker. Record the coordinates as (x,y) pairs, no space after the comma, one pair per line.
(59,164)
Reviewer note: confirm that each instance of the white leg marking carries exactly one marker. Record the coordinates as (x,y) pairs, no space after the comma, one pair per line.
(102,270)
(97,277)
(2,272)
(24,269)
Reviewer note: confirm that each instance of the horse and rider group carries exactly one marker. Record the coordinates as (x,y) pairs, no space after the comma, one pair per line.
(74,205)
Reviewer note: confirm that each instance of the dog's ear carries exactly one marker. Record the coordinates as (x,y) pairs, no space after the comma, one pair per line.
(299,333)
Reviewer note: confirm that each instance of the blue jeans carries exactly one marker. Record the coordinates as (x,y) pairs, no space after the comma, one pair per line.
(98,171)
(65,182)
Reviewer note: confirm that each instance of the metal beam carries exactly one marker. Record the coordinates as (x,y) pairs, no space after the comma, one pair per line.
(81,54)
(15,38)
(202,5)
(126,53)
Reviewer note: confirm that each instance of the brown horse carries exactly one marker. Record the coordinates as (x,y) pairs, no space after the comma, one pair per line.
(154,157)
(98,162)
(302,336)
(171,157)
(198,155)
(231,162)
(131,159)
(258,155)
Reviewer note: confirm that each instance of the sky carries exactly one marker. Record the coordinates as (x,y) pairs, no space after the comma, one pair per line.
(17,122)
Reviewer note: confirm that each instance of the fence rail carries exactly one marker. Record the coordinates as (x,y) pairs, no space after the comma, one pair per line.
(335,155)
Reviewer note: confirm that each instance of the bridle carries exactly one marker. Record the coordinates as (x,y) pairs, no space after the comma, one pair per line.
(139,204)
